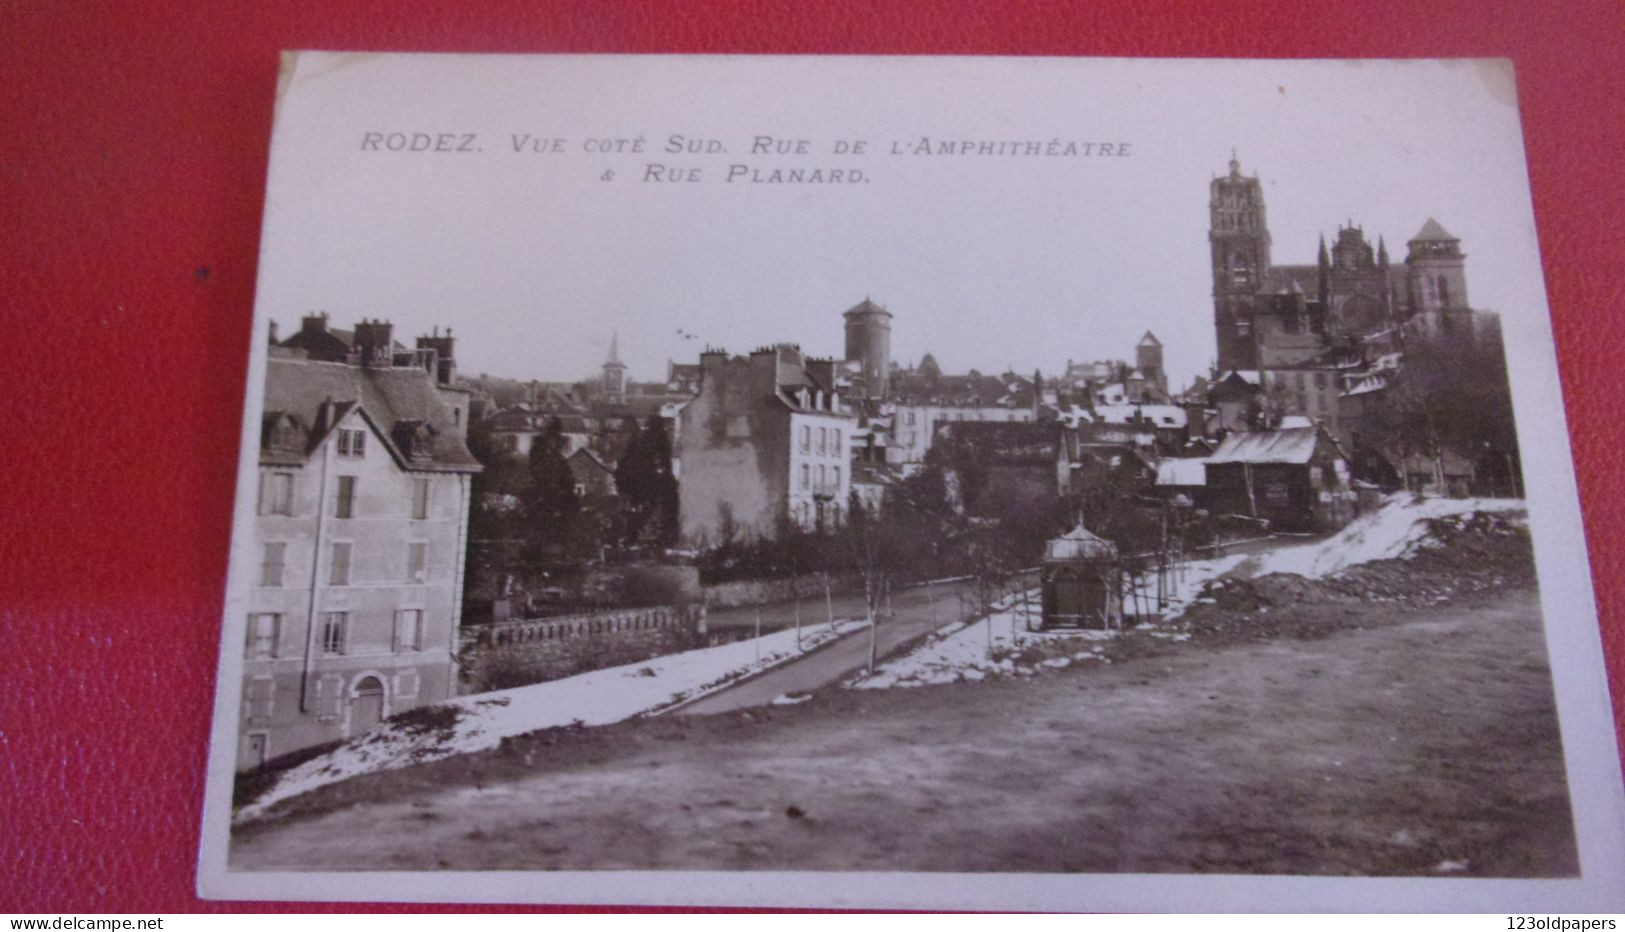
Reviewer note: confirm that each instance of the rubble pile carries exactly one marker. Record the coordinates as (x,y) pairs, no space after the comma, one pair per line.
(1459,554)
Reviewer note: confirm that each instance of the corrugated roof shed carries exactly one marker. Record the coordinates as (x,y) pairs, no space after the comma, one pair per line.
(1180,472)
(1295,445)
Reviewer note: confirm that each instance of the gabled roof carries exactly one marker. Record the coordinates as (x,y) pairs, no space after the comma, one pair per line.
(1432,232)
(587,458)
(1150,339)
(387,397)
(1293,445)
(1079,544)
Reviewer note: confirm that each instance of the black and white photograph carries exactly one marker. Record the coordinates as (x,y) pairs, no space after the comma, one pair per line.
(934,483)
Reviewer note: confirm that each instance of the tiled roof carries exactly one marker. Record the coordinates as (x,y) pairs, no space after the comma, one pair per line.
(388,397)
(1006,443)
(954,390)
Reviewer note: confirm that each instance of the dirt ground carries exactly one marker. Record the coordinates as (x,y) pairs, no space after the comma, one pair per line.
(1351,737)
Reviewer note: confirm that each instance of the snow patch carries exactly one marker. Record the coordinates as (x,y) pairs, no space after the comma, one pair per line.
(1395,530)
(976,650)
(480,722)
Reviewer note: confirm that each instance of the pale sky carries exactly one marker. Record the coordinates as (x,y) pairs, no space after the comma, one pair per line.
(986,261)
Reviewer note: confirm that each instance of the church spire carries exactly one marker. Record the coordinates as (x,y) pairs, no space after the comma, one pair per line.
(614,381)
(1382,252)
(1323,278)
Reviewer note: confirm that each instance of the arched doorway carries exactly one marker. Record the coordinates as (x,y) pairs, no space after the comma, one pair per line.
(366,704)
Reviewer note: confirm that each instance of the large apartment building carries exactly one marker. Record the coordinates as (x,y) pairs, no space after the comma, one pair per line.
(360,532)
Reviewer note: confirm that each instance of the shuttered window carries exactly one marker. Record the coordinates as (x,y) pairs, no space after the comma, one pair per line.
(338,571)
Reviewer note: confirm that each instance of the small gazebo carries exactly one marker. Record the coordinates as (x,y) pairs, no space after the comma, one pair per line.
(1082,582)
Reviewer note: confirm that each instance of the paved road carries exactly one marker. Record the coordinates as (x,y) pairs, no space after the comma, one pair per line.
(915,612)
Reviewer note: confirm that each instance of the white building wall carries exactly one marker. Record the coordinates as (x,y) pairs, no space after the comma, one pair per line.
(914,425)
(820,466)
(311,691)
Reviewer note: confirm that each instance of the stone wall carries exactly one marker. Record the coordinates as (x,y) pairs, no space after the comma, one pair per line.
(521,652)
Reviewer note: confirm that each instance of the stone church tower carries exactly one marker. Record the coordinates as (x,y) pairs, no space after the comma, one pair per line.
(1239,238)
(1436,275)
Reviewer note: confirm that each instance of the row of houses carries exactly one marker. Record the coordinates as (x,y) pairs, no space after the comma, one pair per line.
(365,478)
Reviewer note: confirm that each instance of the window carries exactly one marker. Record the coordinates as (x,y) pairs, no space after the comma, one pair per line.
(408,629)
(338,572)
(835,472)
(335,632)
(264,629)
(821,475)
(276,493)
(344,503)
(806,475)
(329,691)
(352,443)
(271,563)
(420,499)
(806,439)
(417,561)
(261,695)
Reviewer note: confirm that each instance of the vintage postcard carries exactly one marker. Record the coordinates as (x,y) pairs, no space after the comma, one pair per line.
(907,482)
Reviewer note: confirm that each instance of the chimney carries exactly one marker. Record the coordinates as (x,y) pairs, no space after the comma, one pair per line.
(313,323)
(445,363)
(764,371)
(273,333)
(373,344)
(822,371)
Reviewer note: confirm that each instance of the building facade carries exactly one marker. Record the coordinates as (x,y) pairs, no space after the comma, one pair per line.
(360,534)
(767,439)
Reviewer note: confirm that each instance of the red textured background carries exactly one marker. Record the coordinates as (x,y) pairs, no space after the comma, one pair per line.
(133,141)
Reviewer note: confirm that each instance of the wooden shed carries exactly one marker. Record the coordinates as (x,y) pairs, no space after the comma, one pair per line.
(1082,582)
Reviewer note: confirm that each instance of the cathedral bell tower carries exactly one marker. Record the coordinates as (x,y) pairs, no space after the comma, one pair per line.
(1436,276)
(1239,238)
